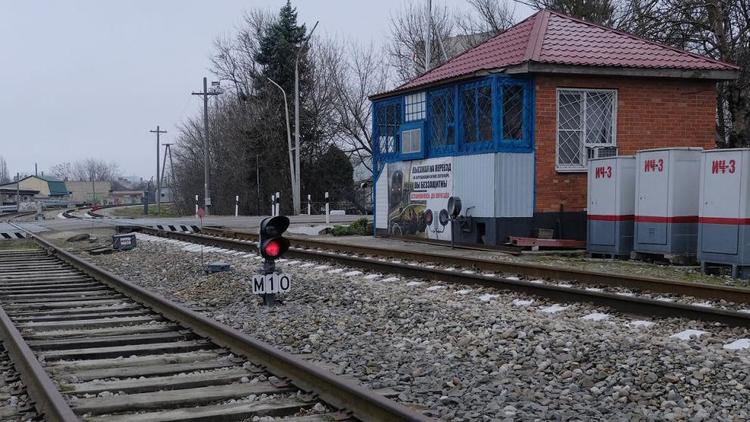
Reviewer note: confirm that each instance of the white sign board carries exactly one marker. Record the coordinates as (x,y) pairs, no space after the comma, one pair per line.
(270,283)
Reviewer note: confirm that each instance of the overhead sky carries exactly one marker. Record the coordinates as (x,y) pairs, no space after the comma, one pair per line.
(90,78)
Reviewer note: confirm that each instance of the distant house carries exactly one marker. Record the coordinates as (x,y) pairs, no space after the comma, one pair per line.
(508,126)
(127,197)
(90,192)
(8,194)
(45,186)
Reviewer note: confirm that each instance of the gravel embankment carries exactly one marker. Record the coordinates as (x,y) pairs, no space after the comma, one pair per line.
(466,354)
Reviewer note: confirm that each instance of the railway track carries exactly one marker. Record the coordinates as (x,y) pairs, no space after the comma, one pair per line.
(428,266)
(92,346)
(698,290)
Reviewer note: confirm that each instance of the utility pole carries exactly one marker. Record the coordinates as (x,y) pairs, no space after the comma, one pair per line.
(18,192)
(428,38)
(158,179)
(170,180)
(205,94)
(296,200)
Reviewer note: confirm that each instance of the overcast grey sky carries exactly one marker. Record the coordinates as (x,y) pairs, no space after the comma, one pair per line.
(91,78)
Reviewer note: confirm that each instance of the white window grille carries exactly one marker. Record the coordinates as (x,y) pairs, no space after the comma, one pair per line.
(415,107)
(411,141)
(586,126)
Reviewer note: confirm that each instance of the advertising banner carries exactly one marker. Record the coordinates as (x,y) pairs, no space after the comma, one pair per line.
(418,193)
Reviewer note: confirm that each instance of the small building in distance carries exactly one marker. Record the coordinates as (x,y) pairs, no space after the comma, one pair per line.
(127,197)
(90,192)
(509,126)
(47,188)
(9,192)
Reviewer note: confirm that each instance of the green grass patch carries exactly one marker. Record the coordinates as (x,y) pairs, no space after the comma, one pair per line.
(359,227)
(136,211)
(19,244)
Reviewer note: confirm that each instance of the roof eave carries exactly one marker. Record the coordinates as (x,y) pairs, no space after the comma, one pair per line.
(718,75)
(428,85)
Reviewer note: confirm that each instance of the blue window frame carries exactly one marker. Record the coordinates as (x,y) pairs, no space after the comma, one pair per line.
(515,101)
(491,114)
(476,116)
(442,120)
(388,126)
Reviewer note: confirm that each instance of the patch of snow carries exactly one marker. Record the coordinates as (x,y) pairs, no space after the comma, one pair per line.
(335,271)
(703,304)
(521,302)
(308,265)
(629,294)
(739,344)
(553,309)
(687,334)
(665,299)
(640,323)
(565,285)
(372,276)
(463,291)
(467,272)
(396,261)
(450,269)
(489,274)
(322,267)
(389,279)
(596,316)
(353,273)
(532,281)
(593,289)
(433,288)
(487,297)
(512,277)
(415,283)
(747,311)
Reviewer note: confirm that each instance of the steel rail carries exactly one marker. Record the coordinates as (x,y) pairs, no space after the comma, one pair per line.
(623,303)
(341,393)
(698,290)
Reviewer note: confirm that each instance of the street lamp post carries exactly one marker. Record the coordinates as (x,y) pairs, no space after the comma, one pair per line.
(292,171)
(296,200)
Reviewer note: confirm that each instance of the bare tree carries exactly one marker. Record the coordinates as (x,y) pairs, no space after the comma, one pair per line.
(486,17)
(356,72)
(4,172)
(89,169)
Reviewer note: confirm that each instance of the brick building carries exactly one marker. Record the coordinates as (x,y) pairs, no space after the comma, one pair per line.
(509,125)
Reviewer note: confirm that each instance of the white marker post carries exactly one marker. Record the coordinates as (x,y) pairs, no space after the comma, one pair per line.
(236,205)
(309,204)
(328,211)
(196,206)
(278,203)
(273,205)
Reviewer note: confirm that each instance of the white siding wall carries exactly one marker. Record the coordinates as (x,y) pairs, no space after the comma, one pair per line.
(514,179)
(473,182)
(381,200)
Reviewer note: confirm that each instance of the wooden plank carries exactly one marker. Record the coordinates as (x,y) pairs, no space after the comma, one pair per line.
(92,323)
(128,350)
(132,361)
(145,370)
(73,311)
(171,399)
(63,305)
(63,317)
(102,291)
(53,289)
(109,341)
(111,331)
(227,412)
(44,300)
(131,386)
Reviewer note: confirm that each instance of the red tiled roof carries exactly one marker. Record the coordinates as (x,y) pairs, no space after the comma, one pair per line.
(552,38)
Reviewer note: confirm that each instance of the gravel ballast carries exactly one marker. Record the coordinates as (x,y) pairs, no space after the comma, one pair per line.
(461,353)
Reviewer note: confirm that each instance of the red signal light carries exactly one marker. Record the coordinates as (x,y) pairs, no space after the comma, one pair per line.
(272,249)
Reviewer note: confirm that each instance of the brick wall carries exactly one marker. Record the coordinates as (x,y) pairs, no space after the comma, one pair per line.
(651,113)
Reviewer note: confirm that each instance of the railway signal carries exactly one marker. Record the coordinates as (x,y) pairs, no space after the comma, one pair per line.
(272,245)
